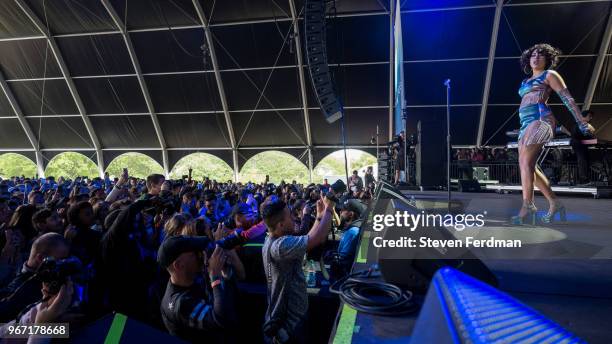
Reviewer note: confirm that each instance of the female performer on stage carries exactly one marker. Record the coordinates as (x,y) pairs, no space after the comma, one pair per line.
(537,126)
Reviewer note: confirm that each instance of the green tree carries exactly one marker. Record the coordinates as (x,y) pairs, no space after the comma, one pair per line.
(204,165)
(138,164)
(12,165)
(362,161)
(71,165)
(278,165)
(333,164)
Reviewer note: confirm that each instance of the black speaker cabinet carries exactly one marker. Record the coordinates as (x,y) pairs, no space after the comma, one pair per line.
(431,154)
(316,53)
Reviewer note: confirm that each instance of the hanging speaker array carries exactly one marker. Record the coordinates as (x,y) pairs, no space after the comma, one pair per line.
(316,54)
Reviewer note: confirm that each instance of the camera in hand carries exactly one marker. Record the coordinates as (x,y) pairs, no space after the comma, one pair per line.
(332,197)
(161,205)
(229,223)
(56,272)
(231,241)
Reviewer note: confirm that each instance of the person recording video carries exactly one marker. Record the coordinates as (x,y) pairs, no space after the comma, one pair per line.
(283,253)
(187,310)
(25,288)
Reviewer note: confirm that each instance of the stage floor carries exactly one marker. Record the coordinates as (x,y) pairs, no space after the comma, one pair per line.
(575,292)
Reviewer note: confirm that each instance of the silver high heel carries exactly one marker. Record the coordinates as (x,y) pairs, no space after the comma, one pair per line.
(529,217)
(549,217)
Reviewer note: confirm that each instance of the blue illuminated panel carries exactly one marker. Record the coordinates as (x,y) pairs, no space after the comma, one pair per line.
(461,309)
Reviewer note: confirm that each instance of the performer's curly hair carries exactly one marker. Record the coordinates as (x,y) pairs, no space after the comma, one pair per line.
(550,53)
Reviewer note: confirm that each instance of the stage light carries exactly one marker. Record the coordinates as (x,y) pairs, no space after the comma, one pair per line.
(461,309)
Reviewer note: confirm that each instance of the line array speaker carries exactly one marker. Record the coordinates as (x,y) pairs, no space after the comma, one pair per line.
(316,54)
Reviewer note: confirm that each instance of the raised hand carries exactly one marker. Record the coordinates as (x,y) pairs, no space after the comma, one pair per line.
(55,305)
(216,262)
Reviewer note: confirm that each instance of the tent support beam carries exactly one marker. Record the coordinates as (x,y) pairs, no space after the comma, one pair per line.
(69,82)
(141,81)
(391,70)
(213,58)
(601,57)
(300,62)
(487,86)
(40,166)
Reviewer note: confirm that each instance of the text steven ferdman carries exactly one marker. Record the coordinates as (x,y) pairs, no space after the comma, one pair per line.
(425,242)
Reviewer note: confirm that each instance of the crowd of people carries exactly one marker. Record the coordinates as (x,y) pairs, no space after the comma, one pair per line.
(484,154)
(170,253)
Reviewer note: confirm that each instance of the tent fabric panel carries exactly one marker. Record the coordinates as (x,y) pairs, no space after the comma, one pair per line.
(125,131)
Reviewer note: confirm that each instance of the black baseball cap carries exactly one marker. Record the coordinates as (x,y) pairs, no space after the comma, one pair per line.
(338,186)
(174,246)
(354,206)
(243,209)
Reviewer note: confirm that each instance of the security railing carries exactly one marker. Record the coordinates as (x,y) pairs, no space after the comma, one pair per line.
(508,172)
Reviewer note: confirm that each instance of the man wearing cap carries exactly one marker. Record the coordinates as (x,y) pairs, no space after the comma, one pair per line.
(187,310)
(350,216)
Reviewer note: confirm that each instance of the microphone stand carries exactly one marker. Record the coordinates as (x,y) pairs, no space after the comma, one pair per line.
(405,120)
(377,146)
(448,142)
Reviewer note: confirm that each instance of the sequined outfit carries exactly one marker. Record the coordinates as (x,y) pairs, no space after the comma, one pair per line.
(535,93)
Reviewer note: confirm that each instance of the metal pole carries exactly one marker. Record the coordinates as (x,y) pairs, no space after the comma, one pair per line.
(377,133)
(405,124)
(344,148)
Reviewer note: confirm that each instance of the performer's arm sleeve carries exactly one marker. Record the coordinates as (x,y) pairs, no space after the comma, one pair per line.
(571,105)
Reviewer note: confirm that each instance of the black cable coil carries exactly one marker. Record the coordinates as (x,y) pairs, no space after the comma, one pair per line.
(373,297)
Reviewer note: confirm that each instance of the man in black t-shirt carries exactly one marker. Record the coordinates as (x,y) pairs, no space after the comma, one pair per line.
(187,309)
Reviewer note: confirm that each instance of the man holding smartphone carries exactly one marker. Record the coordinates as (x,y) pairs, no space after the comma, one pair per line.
(283,254)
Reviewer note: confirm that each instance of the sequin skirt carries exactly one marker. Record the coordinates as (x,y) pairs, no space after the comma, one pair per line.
(537,124)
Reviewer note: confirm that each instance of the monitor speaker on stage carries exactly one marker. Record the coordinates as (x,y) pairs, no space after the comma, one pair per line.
(431,154)
(316,53)
(413,268)
(469,185)
(460,309)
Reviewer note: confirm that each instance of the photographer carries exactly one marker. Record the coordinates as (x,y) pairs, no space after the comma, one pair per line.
(252,233)
(283,254)
(187,309)
(350,220)
(122,260)
(53,308)
(302,213)
(247,219)
(25,287)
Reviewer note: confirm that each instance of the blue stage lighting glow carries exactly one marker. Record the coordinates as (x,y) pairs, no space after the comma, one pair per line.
(478,313)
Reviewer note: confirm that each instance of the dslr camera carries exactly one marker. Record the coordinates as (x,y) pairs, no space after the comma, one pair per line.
(56,272)
(161,205)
